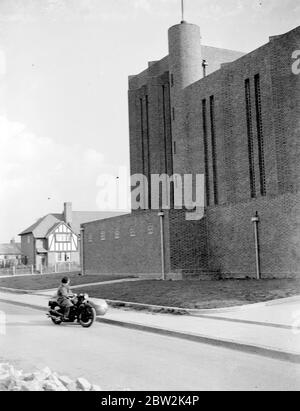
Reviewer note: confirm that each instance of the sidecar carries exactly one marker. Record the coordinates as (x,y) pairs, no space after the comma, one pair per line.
(100,306)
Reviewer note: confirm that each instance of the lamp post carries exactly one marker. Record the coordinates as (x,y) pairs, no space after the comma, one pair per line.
(255,221)
(161,216)
(81,250)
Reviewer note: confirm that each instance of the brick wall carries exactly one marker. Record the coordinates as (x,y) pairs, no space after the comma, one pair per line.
(230,233)
(188,243)
(133,252)
(150,128)
(230,123)
(286,105)
(231,243)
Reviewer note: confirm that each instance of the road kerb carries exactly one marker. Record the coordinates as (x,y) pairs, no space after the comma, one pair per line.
(229,344)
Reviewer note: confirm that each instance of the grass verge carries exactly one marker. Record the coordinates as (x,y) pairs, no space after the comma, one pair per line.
(197,294)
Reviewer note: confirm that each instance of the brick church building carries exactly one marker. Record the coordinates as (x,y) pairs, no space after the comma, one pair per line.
(235,118)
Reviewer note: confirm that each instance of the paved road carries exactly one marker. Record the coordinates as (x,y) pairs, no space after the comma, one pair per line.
(118,358)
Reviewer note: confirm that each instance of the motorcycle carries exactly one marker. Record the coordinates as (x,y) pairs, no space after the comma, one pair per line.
(82,311)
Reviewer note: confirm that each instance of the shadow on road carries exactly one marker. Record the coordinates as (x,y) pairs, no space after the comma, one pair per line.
(40,323)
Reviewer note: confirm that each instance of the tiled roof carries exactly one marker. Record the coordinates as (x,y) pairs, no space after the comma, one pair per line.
(42,226)
(10,249)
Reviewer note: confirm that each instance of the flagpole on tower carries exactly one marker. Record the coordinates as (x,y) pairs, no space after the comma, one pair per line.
(182,11)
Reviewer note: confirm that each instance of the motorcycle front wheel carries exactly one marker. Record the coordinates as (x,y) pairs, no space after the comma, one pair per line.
(56,321)
(87,317)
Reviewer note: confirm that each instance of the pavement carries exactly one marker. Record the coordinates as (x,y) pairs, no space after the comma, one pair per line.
(265,329)
(118,358)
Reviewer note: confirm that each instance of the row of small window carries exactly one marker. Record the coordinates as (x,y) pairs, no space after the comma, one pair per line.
(117,233)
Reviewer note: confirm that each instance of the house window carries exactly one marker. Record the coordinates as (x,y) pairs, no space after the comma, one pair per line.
(90,237)
(63,257)
(117,234)
(102,235)
(173,113)
(150,229)
(28,239)
(132,232)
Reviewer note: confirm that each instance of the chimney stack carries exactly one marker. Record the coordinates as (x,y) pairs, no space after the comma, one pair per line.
(68,213)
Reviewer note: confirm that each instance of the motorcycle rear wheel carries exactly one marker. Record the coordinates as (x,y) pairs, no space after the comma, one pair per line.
(87,317)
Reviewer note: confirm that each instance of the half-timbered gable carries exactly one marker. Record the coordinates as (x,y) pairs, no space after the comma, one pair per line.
(62,239)
(63,243)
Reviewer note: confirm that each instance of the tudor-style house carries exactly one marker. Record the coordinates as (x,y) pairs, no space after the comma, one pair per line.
(55,238)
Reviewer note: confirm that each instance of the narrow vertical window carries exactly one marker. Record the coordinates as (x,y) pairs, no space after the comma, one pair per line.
(165,129)
(260,136)
(250,138)
(142,136)
(148,152)
(173,113)
(205,143)
(214,148)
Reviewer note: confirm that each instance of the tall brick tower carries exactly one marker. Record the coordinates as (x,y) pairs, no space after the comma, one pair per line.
(185,65)
(238,125)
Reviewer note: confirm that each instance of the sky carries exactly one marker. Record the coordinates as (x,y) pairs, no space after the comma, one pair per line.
(64,67)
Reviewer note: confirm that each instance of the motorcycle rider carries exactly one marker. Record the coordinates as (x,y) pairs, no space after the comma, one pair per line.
(63,297)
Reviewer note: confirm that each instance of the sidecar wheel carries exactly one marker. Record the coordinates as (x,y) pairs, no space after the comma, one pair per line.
(56,321)
(87,317)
